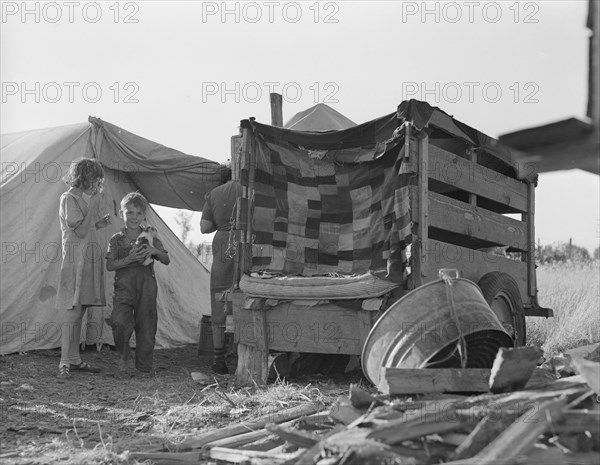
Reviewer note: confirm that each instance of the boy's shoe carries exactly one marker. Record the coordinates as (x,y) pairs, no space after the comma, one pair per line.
(84,366)
(220,368)
(63,372)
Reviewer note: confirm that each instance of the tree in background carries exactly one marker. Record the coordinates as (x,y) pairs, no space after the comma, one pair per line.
(184,221)
(562,252)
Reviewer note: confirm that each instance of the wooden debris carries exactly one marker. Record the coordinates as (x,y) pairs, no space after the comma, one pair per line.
(343,411)
(168,458)
(540,377)
(589,352)
(418,380)
(254,457)
(397,431)
(512,368)
(590,371)
(518,438)
(238,440)
(295,437)
(245,427)
(359,398)
(550,421)
(579,421)
(486,430)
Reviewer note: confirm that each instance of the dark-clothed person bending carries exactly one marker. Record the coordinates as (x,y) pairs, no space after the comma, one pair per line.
(218,215)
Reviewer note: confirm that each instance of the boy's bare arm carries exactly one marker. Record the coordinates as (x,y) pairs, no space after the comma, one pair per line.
(161,255)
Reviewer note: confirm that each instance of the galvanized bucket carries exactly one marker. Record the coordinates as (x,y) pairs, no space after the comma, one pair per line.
(440,324)
(205,342)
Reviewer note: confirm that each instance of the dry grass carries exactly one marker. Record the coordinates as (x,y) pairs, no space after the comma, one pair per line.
(572,290)
(99,419)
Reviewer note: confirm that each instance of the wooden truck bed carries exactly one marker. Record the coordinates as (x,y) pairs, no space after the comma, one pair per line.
(465,206)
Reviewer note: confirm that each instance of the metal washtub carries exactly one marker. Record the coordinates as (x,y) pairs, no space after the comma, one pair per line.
(423,330)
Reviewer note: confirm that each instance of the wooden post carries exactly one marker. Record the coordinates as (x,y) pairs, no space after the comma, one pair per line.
(276,110)
(252,360)
(423,202)
(472,154)
(529,217)
(570,247)
(242,214)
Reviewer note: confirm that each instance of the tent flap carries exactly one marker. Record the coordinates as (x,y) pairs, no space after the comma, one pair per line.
(163,175)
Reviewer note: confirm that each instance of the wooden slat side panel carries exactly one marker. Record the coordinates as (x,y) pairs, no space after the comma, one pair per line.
(471,177)
(459,217)
(333,331)
(472,264)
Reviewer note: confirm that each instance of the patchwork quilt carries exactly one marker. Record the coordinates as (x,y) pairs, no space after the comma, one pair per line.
(321,212)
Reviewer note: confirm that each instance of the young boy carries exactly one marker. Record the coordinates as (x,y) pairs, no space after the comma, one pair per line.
(134,302)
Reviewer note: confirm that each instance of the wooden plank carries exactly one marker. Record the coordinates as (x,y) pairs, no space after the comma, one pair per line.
(485,432)
(556,456)
(459,217)
(294,436)
(239,440)
(590,371)
(420,381)
(530,257)
(362,399)
(248,439)
(539,378)
(397,431)
(422,200)
(243,216)
(472,156)
(252,456)
(252,425)
(167,458)
(252,366)
(344,412)
(472,264)
(461,173)
(512,368)
(325,329)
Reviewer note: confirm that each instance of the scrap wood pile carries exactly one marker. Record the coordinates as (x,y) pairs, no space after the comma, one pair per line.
(524,415)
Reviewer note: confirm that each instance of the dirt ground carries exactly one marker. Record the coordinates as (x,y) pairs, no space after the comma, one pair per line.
(36,406)
(127,413)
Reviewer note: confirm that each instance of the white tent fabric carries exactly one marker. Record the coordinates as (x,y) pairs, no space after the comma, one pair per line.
(33,165)
(320,117)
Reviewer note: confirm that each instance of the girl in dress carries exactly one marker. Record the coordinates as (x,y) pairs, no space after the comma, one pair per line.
(82,272)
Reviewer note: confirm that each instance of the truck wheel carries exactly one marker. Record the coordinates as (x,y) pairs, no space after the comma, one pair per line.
(502,294)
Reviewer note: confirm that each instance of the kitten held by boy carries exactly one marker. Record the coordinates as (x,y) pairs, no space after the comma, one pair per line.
(147,237)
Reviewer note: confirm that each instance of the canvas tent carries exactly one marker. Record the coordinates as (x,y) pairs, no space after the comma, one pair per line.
(320,117)
(33,164)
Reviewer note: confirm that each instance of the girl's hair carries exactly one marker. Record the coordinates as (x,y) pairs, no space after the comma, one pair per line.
(82,173)
(136,199)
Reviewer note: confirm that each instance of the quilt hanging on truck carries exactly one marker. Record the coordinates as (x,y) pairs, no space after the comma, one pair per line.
(329,202)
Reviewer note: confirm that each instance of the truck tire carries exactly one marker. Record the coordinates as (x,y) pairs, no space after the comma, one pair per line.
(502,294)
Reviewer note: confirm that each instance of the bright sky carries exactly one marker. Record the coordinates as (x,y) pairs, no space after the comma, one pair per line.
(185,73)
